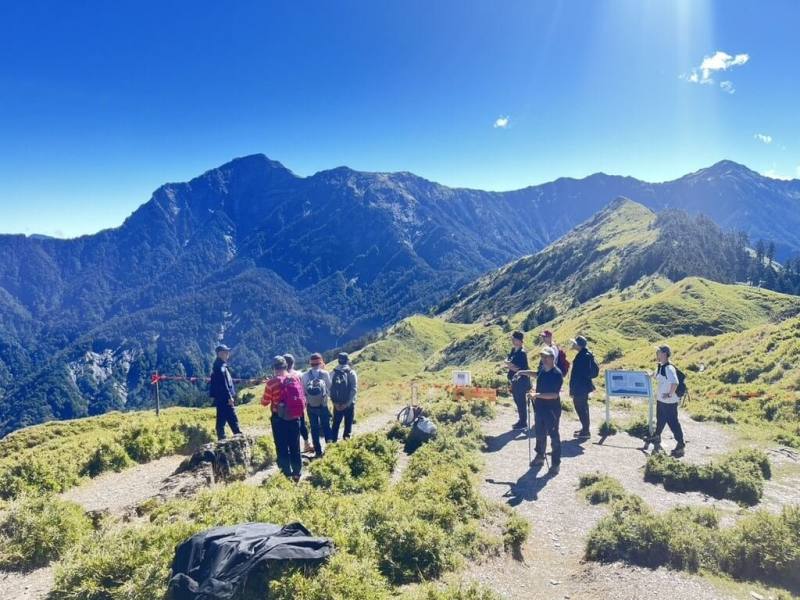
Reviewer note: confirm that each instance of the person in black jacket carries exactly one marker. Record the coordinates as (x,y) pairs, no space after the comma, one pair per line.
(221,389)
(584,369)
(518,361)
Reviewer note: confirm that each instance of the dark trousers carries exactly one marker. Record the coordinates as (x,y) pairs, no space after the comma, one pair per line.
(548,416)
(320,419)
(347,414)
(667,414)
(226,414)
(519,391)
(303,429)
(581,402)
(287,445)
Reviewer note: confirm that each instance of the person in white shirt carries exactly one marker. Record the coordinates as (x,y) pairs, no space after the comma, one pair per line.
(667,401)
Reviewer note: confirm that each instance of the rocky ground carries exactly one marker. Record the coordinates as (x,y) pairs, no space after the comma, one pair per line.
(561,519)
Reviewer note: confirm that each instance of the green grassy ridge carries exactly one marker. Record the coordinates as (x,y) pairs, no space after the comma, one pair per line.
(53,457)
(417,529)
(759,546)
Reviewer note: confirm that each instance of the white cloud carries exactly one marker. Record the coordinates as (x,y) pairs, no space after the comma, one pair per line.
(502,122)
(717,62)
(773,174)
(763,137)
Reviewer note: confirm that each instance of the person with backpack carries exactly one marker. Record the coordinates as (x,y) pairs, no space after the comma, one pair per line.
(220,388)
(584,369)
(518,361)
(561,357)
(547,409)
(344,391)
(669,389)
(284,395)
(317,384)
(307,447)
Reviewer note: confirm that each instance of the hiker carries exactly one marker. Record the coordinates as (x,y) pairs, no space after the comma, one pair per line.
(317,386)
(284,395)
(344,391)
(220,388)
(584,369)
(667,402)
(547,408)
(307,447)
(518,361)
(561,357)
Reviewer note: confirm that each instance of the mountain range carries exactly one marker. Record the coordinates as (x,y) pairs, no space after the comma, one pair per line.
(268,261)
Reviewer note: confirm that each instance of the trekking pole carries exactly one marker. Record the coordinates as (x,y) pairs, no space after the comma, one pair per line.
(528,430)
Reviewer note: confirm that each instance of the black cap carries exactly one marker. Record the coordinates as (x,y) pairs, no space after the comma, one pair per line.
(518,335)
(344,358)
(222,348)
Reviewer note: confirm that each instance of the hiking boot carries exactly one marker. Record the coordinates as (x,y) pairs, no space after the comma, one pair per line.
(538,460)
(519,425)
(296,478)
(678,452)
(580,434)
(309,448)
(554,468)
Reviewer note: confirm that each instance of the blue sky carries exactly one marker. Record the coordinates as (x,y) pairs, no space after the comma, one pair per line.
(101,102)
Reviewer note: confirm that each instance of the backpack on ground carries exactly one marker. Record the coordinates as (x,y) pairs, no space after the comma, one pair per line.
(562,363)
(340,386)
(316,392)
(291,402)
(594,368)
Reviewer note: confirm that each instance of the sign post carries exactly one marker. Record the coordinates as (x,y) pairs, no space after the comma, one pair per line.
(630,384)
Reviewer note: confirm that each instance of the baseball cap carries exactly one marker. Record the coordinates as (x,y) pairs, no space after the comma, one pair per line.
(222,348)
(580,341)
(547,333)
(665,349)
(344,358)
(547,351)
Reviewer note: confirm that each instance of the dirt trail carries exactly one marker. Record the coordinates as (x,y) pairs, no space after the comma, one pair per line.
(561,518)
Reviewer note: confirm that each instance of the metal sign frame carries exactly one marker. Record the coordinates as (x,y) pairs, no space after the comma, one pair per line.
(622,383)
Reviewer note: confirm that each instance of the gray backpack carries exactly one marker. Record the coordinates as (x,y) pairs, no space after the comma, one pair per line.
(316,392)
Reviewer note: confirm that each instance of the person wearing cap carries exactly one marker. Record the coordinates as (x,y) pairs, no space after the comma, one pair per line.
(292,372)
(667,401)
(584,369)
(547,340)
(220,388)
(317,385)
(285,433)
(344,393)
(518,361)
(547,409)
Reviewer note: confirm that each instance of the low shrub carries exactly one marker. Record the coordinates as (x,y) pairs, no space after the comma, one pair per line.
(108,456)
(263,453)
(515,532)
(472,591)
(355,466)
(760,546)
(738,476)
(608,428)
(600,489)
(638,428)
(37,530)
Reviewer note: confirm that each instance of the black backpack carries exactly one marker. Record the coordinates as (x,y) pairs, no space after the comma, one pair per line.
(340,386)
(594,368)
(681,390)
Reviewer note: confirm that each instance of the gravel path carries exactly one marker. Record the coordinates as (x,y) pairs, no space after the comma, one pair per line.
(561,519)
(32,585)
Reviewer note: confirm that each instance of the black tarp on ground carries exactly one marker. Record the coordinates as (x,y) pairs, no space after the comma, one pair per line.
(221,563)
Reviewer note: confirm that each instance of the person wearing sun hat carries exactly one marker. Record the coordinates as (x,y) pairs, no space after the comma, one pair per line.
(584,369)
(547,409)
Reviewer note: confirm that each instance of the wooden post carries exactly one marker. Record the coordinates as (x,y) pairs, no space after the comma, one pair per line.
(158,398)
